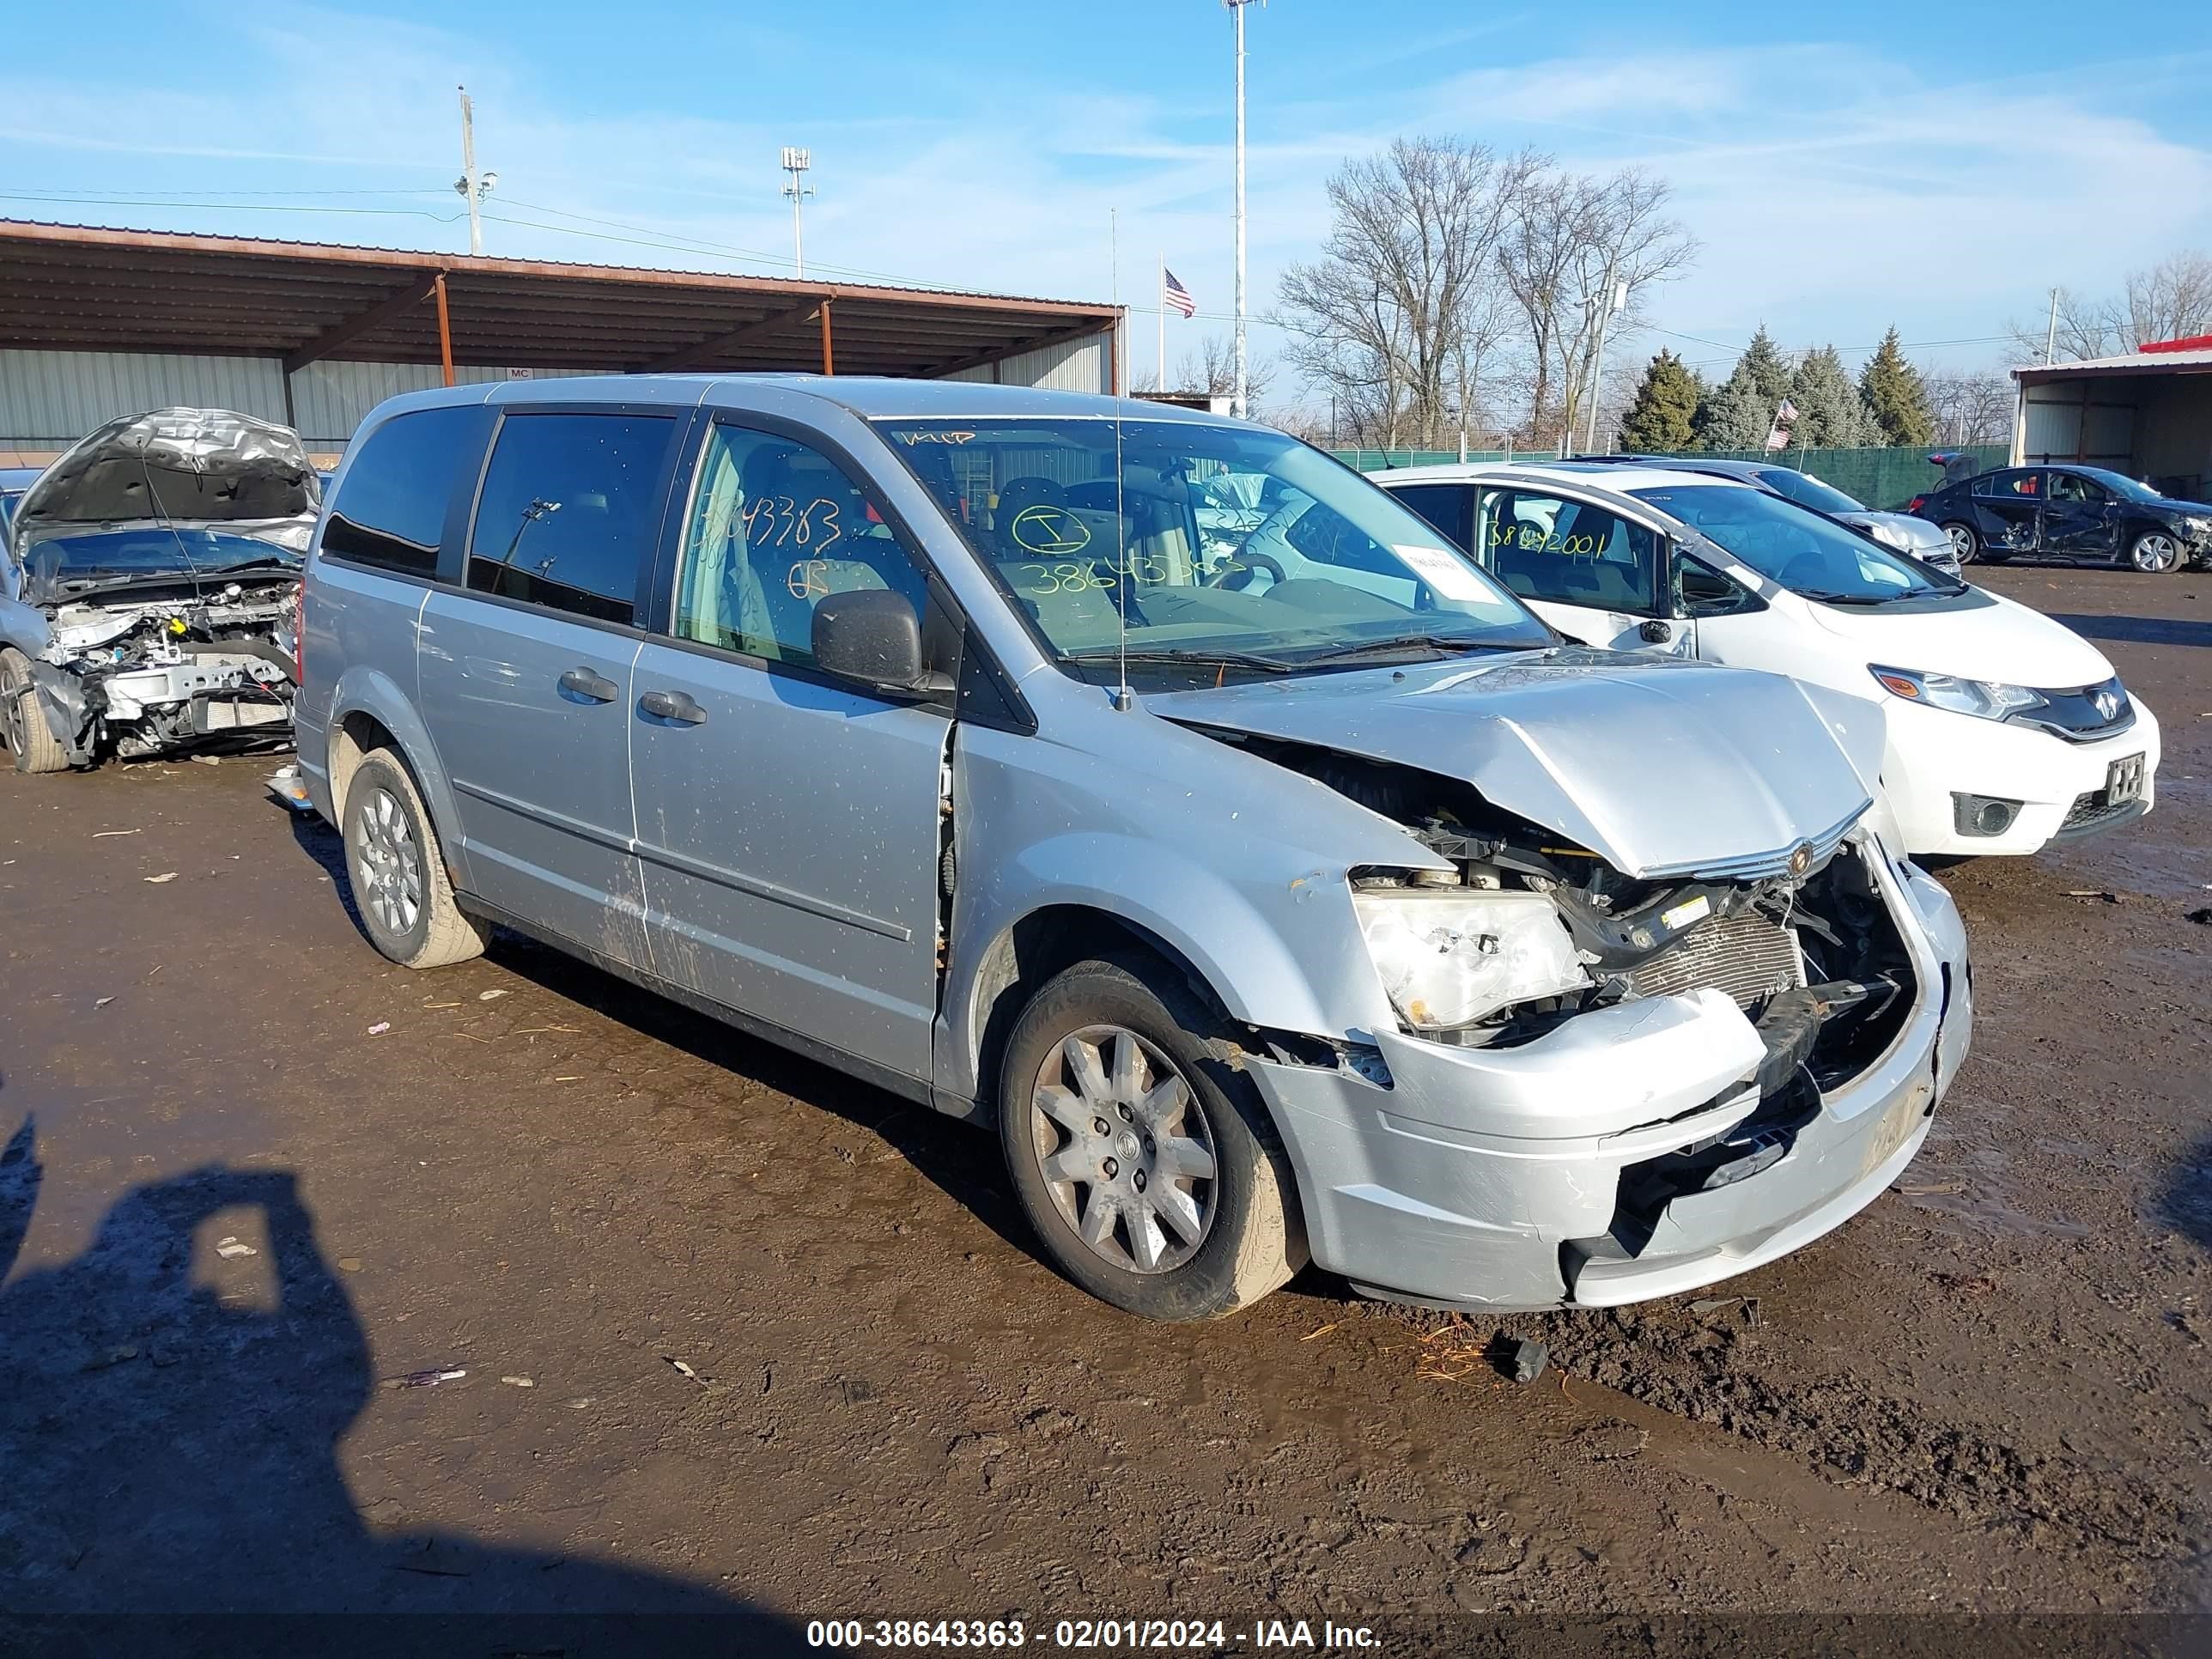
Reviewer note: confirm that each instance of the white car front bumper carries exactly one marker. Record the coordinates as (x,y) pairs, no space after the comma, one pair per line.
(1935,755)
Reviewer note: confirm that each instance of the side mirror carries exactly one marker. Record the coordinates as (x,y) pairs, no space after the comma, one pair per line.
(869,634)
(1655,632)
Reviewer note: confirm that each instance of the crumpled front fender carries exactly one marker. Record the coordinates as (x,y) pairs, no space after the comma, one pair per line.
(62,700)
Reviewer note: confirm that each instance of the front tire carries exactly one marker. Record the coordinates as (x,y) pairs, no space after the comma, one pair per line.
(1143,1157)
(2153,553)
(30,739)
(397,872)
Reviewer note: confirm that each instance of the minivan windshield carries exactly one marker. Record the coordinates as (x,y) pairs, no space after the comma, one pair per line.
(1203,549)
(1807,554)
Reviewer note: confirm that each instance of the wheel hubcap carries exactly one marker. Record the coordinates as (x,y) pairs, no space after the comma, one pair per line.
(387,868)
(1963,542)
(1125,1149)
(2154,553)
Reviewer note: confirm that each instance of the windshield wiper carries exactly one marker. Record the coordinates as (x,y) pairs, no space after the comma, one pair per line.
(1195,658)
(272,562)
(183,575)
(1398,644)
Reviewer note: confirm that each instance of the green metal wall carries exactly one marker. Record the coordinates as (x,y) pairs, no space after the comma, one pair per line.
(1880,476)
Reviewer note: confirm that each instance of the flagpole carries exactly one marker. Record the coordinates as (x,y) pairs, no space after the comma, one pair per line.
(1163,298)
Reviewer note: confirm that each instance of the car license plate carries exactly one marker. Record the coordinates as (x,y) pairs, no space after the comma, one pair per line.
(2123,781)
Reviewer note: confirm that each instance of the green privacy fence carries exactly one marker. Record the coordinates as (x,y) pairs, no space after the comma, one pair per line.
(1884,477)
(1880,476)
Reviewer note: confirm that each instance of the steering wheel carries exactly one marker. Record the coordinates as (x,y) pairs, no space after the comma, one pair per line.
(1806,570)
(1235,574)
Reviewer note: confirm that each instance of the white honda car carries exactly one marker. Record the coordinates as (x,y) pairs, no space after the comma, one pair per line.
(2007,730)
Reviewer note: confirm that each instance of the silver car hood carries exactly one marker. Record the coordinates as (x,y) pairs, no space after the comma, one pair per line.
(1918,532)
(1662,766)
(209,467)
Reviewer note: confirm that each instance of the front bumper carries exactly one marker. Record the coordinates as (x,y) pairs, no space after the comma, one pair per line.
(1492,1179)
(1934,754)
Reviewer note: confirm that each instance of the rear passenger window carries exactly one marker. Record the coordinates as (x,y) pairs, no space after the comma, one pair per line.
(392,509)
(1569,552)
(570,508)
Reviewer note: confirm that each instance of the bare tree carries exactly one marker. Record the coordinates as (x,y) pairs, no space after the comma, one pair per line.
(1972,406)
(1211,368)
(1570,237)
(1381,317)
(2171,300)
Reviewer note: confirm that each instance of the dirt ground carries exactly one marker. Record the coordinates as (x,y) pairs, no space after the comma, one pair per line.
(734,1335)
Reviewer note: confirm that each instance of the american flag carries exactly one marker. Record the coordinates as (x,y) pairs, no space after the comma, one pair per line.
(1173,296)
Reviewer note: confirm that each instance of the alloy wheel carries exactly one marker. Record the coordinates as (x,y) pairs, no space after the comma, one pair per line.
(387,871)
(2155,554)
(1962,542)
(1125,1149)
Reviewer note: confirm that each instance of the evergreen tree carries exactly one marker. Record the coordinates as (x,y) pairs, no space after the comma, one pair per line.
(1830,414)
(1661,418)
(1895,396)
(1738,415)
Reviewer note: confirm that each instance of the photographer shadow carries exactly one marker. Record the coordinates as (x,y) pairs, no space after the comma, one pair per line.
(170,1475)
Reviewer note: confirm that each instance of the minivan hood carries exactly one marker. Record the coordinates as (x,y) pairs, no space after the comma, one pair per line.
(1979,636)
(1662,766)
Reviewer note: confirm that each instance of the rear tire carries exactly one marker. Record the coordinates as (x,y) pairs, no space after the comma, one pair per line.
(397,872)
(30,739)
(1184,1206)
(1965,543)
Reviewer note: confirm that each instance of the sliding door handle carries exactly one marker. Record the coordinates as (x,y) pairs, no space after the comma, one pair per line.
(672,706)
(582,682)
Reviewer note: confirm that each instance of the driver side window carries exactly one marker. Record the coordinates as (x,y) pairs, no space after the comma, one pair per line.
(775,528)
(1569,552)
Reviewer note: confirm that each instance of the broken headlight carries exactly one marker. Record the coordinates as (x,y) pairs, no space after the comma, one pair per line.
(1449,958)
(1992,700)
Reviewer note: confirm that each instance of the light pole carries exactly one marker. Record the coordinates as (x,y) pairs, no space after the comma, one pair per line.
(1613,300)
(1241,405)
(471,186)
(796,162)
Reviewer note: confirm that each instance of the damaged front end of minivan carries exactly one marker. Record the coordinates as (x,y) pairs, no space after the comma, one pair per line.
(152,604)
(1622,1066)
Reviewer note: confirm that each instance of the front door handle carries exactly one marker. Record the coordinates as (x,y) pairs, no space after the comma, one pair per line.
(592,687)
(672,706)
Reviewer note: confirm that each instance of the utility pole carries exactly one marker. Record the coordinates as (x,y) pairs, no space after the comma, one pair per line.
(1241,405)
(2050,334)
(796,162)
(472,187)
(1615,298)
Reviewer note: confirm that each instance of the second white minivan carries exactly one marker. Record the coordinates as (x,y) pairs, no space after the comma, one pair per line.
(2008,730)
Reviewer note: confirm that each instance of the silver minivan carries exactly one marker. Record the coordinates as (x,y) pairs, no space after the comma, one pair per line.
(1149,785)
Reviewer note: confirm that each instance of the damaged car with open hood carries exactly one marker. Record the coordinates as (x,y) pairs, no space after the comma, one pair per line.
(150,599)
(1154,788)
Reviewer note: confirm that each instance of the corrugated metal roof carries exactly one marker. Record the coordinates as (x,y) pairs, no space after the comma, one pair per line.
(75,288)
(2133,363)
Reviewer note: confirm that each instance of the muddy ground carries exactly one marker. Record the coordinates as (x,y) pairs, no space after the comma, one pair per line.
(742,1336)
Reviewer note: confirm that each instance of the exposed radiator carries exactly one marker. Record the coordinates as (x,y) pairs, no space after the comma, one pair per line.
(1746,955)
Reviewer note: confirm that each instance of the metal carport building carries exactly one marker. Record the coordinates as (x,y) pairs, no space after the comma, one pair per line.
(97,323)
(2147,414)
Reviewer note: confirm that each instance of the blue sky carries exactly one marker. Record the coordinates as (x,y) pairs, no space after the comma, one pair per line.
(1843,168)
